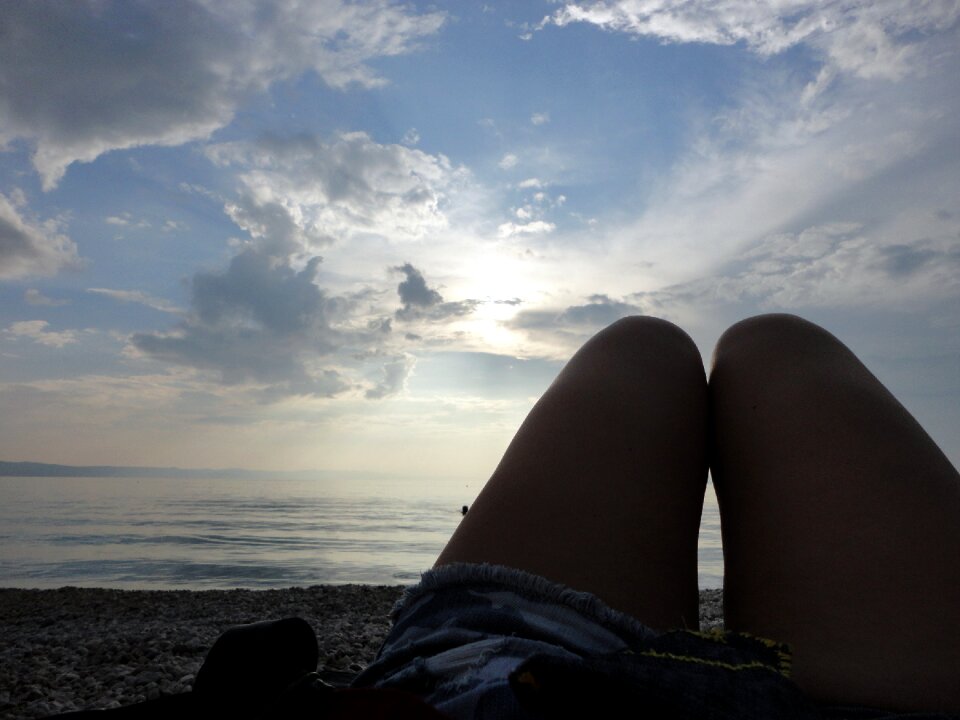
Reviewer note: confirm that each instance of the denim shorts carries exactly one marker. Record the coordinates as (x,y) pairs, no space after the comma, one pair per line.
(486,641)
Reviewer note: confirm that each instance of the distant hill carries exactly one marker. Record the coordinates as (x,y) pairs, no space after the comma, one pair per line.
(35,469)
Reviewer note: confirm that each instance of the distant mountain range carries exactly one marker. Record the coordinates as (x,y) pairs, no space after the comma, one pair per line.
(36,469)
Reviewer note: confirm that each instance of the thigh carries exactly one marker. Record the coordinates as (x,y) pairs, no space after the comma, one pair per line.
(602,486)
(840,519)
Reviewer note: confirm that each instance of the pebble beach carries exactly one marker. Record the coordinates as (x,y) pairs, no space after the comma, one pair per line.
(85,648)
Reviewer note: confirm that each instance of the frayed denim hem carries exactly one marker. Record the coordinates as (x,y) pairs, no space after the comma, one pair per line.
(525,584)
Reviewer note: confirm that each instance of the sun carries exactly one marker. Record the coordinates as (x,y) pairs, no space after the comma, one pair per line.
(503,286)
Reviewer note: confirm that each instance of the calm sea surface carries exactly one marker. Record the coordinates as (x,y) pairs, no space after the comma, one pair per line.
(203,533)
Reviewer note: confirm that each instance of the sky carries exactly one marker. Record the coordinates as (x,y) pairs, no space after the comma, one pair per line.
(366,235)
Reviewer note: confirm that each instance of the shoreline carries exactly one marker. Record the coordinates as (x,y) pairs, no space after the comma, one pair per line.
(83,648)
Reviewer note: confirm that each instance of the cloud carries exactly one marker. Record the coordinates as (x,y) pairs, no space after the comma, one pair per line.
(126,220)
(136,296)
(394,377)
(903,261)
(560,331)
(597,313)
(300,193)
(774,162)
(508,161)
(840,265)
(82,78)
(259,322)
(172,226)
(36,330)
(413,291)
(537,227)
(540,118)
(32,296)
(266,327)
(869,40)
(419,301)
(29,247)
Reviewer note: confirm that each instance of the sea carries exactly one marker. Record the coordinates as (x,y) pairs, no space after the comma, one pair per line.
(205,533)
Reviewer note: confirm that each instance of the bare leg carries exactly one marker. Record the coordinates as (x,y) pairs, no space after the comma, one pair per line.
(602,487)
(840,518)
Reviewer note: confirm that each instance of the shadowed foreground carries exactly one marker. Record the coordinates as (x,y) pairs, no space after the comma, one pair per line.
(75,648)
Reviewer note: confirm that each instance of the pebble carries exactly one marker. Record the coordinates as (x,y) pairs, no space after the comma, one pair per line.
(88,648)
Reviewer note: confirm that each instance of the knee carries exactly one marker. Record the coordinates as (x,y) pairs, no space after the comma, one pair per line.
(644,340)
(767,340)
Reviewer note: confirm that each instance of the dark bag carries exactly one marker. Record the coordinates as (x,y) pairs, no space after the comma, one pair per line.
(268,670)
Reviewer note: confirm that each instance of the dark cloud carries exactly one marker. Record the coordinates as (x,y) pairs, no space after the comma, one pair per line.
(260,321)
(423,302)
(81,78)
(599,312)
(382,326)
(256,291)
(29,248)
(903,260)
(413,291)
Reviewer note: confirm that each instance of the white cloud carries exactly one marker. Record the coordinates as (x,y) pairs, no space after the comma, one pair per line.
(869,40)
(780,161)
(79,79)
(840,265)
(173,226)
(508,161)
(862,158)
(126,220)
(394,374)
(833,269)
(32,296)
(411,137)
(29,247)
(537,227)
(136,296)
(36,330)
(302,193)
(540,118)
(530,183)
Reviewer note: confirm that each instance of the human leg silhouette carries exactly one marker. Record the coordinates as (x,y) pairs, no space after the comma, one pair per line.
(602,487)
(840,519)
